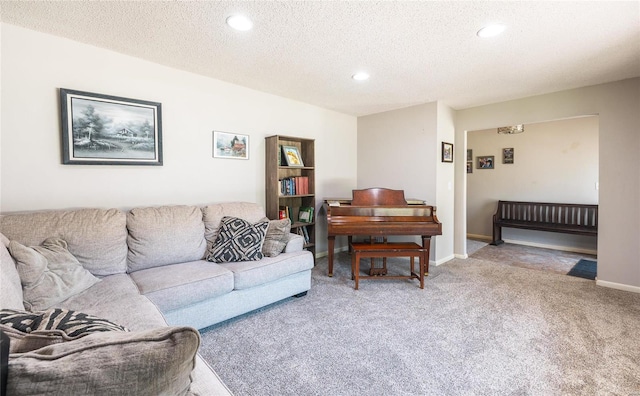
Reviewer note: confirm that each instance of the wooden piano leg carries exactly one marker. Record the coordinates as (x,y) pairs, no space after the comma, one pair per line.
(426,245)
(356,268)
(422,268)
(331,240)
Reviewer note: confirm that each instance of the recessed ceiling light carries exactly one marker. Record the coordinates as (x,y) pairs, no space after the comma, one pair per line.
(239,22)
(491,30)
(360,76)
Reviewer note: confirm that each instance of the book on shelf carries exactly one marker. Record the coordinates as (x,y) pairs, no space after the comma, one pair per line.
(303,232)
(284,213)
(295,185)
(305,214)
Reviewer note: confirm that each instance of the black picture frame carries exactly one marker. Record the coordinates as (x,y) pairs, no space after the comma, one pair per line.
(507,155)
(447,152)
(485,162)
(102,129)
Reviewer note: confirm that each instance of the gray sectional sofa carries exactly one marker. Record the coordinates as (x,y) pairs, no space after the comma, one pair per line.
(153,277)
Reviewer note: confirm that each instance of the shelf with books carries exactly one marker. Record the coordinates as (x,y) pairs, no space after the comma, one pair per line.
(290,183)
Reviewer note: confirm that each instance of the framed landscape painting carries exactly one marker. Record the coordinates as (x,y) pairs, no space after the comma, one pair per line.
(230,145)
(109,130)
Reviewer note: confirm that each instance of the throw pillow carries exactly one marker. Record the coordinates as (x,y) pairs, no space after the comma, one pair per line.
(49,273)
(277,237)
(151,362)
(238,240)
(33,330)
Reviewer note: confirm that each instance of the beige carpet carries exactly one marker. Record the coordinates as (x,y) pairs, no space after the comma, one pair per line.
(478,328)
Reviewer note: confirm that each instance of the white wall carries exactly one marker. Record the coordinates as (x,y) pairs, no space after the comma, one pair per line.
(34,65)
(617,106)
(445,184)
(554,161)
(398,149)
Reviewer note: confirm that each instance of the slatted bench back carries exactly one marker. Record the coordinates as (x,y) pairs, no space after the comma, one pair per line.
(548,213)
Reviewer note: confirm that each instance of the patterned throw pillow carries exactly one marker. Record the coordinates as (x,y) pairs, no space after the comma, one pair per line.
(238,240)
(33,330)
(72,323)
(277,237)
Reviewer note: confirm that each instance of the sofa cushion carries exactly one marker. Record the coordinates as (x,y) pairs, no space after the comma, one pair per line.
(277,237)
(248,274)
(238,240)
(11,296)
(178,285)
(117,298)
(294,244)
(49,273)
(151,362)
(96,237)
(213,214)
(53,326)
(164,235)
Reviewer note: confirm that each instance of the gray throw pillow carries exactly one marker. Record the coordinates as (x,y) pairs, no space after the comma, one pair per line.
(277,237)
(141,363)
(238,240)
(49,273)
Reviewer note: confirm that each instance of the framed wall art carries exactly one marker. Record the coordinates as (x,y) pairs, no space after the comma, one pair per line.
(485,162)
(109,130)
(470,155)
(447,152)
(230,145)
(292,156)
(507,155)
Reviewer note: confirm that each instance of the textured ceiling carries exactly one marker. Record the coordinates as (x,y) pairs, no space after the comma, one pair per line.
(415,51)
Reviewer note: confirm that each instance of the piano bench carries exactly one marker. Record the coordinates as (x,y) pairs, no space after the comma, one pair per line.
(389,249)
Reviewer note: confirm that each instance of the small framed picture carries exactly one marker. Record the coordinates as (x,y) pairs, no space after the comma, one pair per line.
(447,152)
(305,215)
(230,145)
(102,129)
(507,155)
(469,166)
(292,156)
(470,155)
(485,162)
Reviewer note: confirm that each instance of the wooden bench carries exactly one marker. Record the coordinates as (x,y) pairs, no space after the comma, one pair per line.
(576,219)
(389,249)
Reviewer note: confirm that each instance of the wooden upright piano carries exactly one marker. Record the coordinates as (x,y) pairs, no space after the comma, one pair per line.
(379,212)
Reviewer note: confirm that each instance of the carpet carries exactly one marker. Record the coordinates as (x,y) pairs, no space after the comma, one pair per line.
(477,328)
(584,269)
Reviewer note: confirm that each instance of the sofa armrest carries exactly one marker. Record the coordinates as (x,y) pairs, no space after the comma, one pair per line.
(295,243)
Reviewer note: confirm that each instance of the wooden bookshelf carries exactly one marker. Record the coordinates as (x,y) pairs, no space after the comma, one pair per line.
(276,170)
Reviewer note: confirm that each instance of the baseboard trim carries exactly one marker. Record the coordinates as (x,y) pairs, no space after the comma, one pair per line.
(535,244)
(441,261)
(461,256)
(485,238)
(336,250)
(618,286)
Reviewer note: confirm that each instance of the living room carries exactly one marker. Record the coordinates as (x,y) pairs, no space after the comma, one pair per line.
(352,151)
